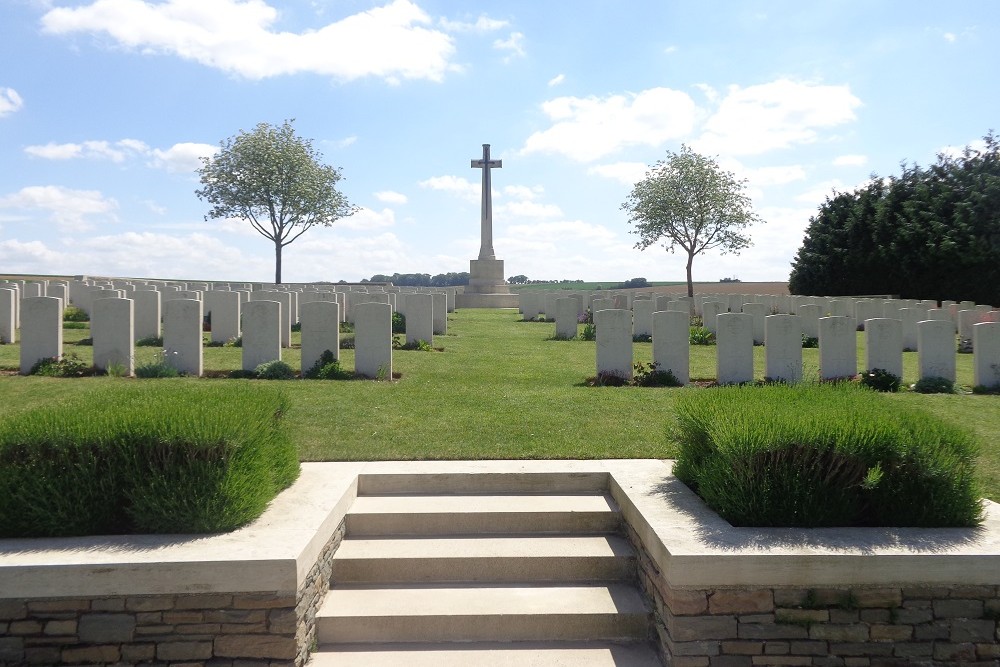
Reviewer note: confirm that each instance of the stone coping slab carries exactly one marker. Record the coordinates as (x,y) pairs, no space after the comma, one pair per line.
(691,545)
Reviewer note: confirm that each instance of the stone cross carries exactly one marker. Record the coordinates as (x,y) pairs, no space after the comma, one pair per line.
(486,220)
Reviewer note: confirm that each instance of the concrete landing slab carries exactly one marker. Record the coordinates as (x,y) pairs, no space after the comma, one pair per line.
(481,612)
(474,514)
(483,654)
(487,558)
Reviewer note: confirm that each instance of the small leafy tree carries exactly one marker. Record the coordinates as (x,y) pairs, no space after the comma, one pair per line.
(276,181)
(688,201)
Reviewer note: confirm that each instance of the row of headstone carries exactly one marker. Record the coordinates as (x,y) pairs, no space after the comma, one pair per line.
(963,315)
(735,335)
(113,325)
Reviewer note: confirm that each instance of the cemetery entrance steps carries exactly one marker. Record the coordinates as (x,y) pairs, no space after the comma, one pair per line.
(484,569)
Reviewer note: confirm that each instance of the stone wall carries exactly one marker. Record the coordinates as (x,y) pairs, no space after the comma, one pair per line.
(218,629)
(821,627)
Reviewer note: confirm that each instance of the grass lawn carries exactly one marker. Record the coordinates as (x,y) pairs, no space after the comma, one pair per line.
(502,388)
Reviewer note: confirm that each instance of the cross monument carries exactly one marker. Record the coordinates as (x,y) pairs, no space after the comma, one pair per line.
(486,216)
(486,288)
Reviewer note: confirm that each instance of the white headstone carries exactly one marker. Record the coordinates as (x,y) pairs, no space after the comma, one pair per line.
(936,349)
(614,342)
(261,333)
(112,328)
(838,348)
(809,315)
(285,299)
(530,304)
(966,319)
(225,310)
(734,348)
(884,345)
(419,318)
(41,330)
(986,354)
(8,317)
(909,317)
(320,331)
(671,343)
(603,304)
(182,324)
(710,310)
(566,318)
(783,347)
(642,317)
(758,312)
(146,306)
(373,340)
(440,313)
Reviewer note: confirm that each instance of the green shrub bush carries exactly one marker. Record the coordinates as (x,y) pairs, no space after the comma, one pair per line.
(701,336)
(67,366)
(74,314)
(880,379)
(144,458)
(934,385)
(823,455)
(274,370)
(398,323)
(327,368)
(156,367)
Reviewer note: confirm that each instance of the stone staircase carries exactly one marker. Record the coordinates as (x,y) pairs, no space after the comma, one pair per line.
(484,569)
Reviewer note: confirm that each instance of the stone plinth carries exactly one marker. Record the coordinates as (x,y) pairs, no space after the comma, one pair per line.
(486,288)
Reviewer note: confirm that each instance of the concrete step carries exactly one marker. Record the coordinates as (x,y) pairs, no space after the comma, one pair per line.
(482,482)
(508,558)
(483,654)
(397,515)
(503,613)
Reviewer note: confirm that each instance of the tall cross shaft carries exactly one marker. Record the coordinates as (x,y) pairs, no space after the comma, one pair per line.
(486,218)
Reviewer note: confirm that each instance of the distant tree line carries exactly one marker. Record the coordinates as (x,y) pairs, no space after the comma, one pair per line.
(929,233)
(422,279)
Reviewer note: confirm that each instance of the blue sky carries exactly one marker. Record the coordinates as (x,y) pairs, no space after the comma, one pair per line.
(106,105)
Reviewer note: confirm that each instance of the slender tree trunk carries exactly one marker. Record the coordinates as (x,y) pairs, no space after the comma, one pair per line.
(277,263)
(690,283)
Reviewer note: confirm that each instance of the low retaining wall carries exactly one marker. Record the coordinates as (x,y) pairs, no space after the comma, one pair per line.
(721,596)
(236,600)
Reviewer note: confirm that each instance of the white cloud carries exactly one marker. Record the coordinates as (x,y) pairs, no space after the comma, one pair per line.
(151,254)
(627,173)
(514,45)
(30,257)
(558,232)
(482,24)
(154,207)
(818,193)
(314,257)
(68,208)
(391,41)
(765,176)
(950,37)
(850,161)
(10,101)
(528,209)
(182,157)
(775,115)
(366,219)
(556,80)
(670,49)
(957,151)
(455,185)
(346,141)
(90,150)
(391,197)
(587,129)
(522,191)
